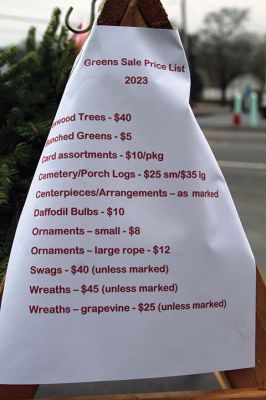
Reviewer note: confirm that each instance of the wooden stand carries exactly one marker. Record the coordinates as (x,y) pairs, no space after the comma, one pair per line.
(245,384)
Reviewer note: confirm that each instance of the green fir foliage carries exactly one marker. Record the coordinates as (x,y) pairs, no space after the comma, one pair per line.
(31,87)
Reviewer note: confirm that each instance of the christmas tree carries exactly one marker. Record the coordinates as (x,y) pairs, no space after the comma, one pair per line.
(31,87)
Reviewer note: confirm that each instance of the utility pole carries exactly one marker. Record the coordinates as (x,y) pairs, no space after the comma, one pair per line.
(263,96)
(184,24)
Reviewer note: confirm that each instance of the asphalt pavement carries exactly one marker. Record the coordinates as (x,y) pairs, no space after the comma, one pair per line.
(173,384)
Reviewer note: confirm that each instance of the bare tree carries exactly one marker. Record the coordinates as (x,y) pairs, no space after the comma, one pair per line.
(224,46)
(258,61)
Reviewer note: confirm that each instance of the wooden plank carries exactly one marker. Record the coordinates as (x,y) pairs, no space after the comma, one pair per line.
(113,12)
(154,14)
(137,13)
(133,16)
(236,394)
(254,377)
(17,392)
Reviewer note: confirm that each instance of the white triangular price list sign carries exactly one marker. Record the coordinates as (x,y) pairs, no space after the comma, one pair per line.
(129,260)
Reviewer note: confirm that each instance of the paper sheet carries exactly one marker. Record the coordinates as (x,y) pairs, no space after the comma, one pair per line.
(129,259)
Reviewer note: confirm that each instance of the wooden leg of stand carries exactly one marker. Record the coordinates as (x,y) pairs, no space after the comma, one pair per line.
(222,380)
(17,392)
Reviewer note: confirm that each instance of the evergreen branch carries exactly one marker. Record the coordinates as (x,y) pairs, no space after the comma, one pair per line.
(8,56)
(30,89)
(31,40)
(23,153)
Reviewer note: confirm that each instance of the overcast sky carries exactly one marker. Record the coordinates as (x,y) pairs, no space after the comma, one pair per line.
(16,15)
